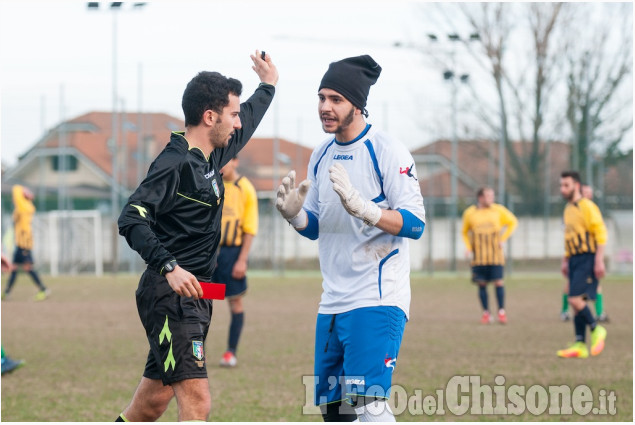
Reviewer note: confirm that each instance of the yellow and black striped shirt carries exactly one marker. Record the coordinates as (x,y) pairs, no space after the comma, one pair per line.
(584,228)
(483,233)
(240,212)
(22,216)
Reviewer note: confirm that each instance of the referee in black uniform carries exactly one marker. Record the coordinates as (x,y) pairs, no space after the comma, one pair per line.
(173,221)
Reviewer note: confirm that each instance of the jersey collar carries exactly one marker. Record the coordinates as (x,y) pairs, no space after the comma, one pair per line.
(362,134)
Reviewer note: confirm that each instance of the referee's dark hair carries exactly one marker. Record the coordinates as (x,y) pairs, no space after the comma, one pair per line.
(208,90)
(573,174)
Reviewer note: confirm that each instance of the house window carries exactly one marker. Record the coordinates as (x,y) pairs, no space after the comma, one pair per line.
(70,163)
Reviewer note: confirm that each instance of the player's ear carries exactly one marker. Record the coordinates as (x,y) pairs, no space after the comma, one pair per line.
(208,117)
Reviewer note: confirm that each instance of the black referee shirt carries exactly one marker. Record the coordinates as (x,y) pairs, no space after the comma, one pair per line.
(175,213)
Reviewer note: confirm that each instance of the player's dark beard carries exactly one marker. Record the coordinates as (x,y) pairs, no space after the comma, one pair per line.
(348,119)
(570,195)
(218,139)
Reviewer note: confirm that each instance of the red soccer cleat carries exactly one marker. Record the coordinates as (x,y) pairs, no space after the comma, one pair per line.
(502,317)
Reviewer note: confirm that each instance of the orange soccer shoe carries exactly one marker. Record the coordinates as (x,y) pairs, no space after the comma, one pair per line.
(598,336)
(576,351)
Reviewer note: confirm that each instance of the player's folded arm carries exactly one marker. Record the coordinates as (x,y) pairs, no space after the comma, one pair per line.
(142,239)
(312,229)
(412,226)
(137,217)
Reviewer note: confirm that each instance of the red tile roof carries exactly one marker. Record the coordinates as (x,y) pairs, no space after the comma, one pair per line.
(90,133)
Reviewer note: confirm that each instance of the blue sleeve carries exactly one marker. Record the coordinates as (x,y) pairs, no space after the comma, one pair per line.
(412,226)
(312,229)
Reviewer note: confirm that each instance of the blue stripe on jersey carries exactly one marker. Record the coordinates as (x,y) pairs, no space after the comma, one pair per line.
(312,229)
(381,265)
(412,226)
(373,157)
(380,198)
(322,156)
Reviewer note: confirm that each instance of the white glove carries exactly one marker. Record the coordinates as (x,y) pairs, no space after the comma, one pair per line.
(353,203)
(289,200)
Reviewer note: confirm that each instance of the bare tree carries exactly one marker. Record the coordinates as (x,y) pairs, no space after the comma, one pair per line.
(525,78)
(599,97)
(558,71)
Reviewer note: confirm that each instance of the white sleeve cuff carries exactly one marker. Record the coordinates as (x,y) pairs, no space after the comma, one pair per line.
(301,220)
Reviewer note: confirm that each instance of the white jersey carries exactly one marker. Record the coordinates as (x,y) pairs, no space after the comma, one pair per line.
(363,266)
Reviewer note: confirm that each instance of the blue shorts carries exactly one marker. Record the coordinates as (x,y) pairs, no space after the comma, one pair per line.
(582,280)
(487,273)
(227,257)
(356,353)
(22,256)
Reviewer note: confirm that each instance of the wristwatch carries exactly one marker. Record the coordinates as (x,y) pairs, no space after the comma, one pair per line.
(168,267)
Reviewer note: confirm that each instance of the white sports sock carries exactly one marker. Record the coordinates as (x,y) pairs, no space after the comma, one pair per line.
(377,411)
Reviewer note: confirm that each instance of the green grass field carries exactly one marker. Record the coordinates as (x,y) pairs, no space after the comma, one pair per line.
(85,348)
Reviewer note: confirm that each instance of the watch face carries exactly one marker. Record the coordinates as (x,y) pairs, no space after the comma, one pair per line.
(169,267)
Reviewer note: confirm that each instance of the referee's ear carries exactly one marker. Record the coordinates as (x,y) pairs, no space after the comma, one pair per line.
(209,118)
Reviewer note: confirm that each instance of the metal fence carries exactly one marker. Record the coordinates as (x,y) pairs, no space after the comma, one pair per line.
(81,242)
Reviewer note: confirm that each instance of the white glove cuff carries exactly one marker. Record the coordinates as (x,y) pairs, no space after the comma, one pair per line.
(300,221)
(372,213)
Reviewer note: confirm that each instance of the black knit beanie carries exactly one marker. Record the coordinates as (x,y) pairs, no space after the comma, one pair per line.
(352,78)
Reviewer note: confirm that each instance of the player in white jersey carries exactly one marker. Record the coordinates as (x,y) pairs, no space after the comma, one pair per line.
(363,202)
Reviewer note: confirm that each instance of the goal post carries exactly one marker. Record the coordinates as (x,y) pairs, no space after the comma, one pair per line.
(71,241)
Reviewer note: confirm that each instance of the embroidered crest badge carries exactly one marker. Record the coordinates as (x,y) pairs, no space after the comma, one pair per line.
(197,349)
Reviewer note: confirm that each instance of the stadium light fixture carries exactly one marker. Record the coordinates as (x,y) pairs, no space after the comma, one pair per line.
(448,75)
(116,8)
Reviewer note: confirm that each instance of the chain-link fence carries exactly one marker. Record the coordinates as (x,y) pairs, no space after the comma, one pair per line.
(82,242)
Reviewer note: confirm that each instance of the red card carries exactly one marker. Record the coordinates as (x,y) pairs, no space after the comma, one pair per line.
(213,291)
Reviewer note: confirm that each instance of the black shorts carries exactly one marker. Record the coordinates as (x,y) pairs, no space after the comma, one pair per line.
(176,328)
(486,273)
(22,256)
(582,280)
(227,257)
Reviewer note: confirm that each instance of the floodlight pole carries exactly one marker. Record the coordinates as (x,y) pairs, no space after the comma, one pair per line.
(454,191)
(450,75)
(115,7)
(454,177)
(114,118)
(114,195)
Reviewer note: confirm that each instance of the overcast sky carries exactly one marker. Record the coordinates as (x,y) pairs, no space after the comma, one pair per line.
(53,50)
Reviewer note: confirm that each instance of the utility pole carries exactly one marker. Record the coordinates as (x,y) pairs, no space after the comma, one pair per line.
(115,8)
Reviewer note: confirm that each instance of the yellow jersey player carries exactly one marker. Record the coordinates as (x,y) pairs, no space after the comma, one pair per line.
(601,315)
(239,225)
(585,237)
(486,226)
(22,217)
